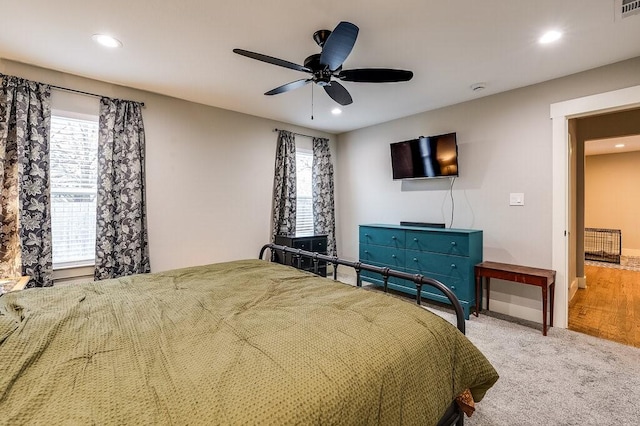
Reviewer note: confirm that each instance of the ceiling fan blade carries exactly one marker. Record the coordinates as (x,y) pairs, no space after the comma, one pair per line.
(338,93)
(338,45)
(289,86)
(271,60)
(375,75)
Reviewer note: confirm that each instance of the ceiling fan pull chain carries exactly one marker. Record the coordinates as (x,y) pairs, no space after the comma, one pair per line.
(312,101)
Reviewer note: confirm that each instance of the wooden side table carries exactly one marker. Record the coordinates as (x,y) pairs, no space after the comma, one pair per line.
(543,278)
(13,284)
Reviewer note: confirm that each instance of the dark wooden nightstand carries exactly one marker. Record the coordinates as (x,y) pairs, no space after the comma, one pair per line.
(313,243)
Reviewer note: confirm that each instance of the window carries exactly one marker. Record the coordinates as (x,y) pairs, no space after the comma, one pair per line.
(73,165)
(304,191)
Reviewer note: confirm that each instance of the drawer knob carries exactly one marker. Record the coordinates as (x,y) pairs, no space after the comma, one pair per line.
(453,243)
(453,287)
(415,239)
(415,259)
(453,265)
(366,235)
(393,256)
(366,252)
(394,237)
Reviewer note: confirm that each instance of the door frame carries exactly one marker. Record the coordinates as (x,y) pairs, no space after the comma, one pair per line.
(561,113)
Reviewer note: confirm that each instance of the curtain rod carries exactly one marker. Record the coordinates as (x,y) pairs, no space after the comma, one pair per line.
(297,134)
(66,89)
(74,90)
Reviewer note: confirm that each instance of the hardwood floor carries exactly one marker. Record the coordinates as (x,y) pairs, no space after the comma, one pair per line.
(609,307)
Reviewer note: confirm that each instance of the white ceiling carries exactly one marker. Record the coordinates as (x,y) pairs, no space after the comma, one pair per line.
(183,48)
(608,146)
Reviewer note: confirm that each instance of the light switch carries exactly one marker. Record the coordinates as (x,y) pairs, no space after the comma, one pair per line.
(516,199)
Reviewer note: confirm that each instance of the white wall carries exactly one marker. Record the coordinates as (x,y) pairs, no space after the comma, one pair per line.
(505,145)
(612,198)
(209,173)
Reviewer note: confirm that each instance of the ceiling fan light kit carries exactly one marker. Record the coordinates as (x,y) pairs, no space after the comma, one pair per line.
(326,67)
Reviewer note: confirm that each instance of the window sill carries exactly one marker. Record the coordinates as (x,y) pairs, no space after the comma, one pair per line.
(64,273)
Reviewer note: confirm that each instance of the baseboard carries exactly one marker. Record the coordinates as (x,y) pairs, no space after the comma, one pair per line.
(582,282)
(511,309)
(573,288)
(631,252)
(346,275)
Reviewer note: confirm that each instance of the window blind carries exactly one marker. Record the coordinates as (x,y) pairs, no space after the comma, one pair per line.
(73,165)
(304,192)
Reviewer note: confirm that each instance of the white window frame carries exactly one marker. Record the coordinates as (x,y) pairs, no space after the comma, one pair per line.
(306,152)
(71,270)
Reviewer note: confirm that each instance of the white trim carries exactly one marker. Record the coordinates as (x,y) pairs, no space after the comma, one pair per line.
(70,273)
(582,282)
(573,289)
(560,113)
(75,115)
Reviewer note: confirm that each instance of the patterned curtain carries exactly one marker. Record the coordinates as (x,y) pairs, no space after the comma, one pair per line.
(25,210)
(324,220)
(121,227)
(284,186)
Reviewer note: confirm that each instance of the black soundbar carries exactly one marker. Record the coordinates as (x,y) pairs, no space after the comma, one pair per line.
(423,224)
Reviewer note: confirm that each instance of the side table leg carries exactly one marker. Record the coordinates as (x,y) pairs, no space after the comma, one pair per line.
(553,293)
(488,281)
(478,294)
(544,310)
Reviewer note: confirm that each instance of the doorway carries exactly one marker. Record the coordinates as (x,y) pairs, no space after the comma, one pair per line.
(605,200)
(562,223)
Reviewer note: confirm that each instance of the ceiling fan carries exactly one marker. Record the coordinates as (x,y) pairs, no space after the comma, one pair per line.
(326,67)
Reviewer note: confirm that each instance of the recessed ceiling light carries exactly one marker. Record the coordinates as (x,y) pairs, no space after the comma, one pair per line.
(336,111)
(106,40)
(550,37)
(619,145)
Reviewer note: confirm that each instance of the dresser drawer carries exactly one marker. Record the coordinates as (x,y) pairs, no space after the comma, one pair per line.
(302,243)
(319,245)
(447,243)
(436,263)
(382,237)
(382,256)
(459,287)
(377,278)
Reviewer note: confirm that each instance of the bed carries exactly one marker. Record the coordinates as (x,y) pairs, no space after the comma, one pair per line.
(242,342)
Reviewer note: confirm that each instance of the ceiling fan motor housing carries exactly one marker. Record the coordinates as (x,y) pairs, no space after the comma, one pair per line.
(321,73)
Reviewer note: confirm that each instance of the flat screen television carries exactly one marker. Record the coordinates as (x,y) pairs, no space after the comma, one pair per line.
(425,157)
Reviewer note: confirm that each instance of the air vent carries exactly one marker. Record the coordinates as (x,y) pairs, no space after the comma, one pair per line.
(626,8)
(630,7)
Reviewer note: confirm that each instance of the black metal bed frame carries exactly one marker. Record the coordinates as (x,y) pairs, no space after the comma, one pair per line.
(386,273)
(453,415)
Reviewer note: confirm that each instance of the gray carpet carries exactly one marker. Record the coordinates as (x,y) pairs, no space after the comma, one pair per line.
(566,378)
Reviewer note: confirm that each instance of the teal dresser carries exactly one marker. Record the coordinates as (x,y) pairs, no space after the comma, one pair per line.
(447,255)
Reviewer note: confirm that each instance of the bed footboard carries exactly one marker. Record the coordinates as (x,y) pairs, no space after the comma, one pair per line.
(417,279)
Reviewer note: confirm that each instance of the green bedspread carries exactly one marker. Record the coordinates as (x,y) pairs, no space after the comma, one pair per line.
(246,342)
